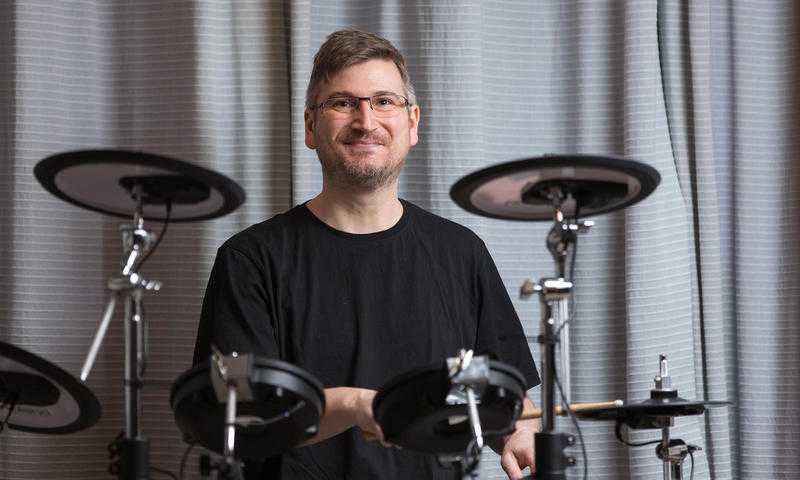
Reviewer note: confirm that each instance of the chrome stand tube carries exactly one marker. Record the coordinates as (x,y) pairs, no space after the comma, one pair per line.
(133,362)
(230,423)
(136,242)
(553,293)
(672,454)
(561,322)
(666,464)
(554,331)
(474,419)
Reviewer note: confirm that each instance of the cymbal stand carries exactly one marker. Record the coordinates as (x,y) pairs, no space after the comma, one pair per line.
(133,447)
(672,452)
(554,298)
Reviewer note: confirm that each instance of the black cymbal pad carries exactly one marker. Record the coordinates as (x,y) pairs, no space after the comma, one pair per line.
(584,185)
(110,181)
(42,397)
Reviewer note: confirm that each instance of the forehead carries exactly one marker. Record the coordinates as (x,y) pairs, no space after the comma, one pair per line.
(365,78)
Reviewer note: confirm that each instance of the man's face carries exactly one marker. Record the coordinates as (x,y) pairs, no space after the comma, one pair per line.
(361,149)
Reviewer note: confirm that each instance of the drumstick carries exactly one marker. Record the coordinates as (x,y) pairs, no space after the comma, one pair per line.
(536,412)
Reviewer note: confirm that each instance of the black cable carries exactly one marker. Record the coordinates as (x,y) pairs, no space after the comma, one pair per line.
(575,423)
(158,239)
(11,405)
(184,458)
(691,457)
(618,433)
(164,472)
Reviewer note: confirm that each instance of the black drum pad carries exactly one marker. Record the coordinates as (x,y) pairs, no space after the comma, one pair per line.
(288,405)
(413,411)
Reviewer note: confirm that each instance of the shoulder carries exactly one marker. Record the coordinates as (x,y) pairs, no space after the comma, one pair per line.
(442,230)
(255,240)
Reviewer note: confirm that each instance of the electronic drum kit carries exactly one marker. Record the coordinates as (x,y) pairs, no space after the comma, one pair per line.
(246,407)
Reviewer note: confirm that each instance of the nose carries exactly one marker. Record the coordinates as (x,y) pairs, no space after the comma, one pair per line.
(363,117)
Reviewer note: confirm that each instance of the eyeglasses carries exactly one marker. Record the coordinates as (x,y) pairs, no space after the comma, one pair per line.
(384,104)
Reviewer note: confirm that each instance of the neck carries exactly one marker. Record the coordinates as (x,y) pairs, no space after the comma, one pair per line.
(356,211)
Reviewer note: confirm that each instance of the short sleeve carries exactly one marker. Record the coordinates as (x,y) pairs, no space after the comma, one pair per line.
(237,306)
(500,332)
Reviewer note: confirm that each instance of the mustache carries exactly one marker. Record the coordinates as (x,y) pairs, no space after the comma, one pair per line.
(369,136)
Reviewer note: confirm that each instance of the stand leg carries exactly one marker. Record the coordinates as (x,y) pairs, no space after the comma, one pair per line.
(99,336)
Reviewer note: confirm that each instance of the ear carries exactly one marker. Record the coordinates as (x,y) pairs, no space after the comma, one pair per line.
(413,125)
(309,120)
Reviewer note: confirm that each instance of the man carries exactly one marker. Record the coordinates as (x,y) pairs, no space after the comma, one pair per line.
(357,286)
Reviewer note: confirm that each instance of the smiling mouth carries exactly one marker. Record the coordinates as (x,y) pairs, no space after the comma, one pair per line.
(363,144)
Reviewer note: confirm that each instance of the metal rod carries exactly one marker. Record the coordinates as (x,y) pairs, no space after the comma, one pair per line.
(562,314)
(677,471)
(667,465)
(548,364)
(99,336)
(474,419)
(230,421)
(131,394)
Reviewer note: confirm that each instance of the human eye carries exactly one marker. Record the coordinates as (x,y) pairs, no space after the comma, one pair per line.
(386,101)
(341,103)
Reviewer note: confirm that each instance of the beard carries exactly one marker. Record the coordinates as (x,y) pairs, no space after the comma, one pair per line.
(352,170)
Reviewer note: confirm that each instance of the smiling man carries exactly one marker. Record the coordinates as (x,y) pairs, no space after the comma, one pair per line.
(358,286)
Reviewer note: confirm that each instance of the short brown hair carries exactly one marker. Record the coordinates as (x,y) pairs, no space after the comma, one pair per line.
(349,47)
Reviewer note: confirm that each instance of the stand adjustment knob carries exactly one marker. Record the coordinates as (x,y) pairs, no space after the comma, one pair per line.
(527,289)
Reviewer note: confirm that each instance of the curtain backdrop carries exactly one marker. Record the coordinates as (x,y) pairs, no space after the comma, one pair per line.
(706,270)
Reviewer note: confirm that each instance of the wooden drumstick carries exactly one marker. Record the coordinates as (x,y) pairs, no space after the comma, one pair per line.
(536,412)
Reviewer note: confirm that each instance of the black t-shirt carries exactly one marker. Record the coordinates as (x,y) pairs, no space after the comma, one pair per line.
(357,310)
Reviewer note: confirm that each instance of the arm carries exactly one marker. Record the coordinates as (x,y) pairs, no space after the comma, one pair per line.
(500,332)
(346,407)
(517,450)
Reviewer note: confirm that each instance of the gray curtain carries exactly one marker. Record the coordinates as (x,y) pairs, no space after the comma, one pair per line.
(706,270)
